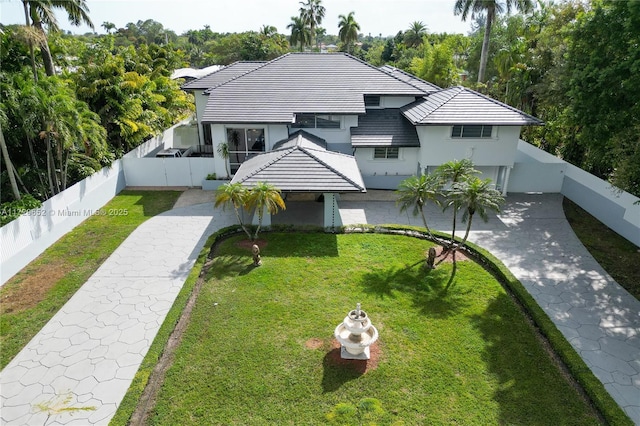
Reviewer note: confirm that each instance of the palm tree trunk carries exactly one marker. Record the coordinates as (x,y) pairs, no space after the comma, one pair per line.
(51,170)
(466,234)
(424,220)
(35,160)
(9,165)
(31,52)
(260,213)
(484,55)
(244,228)
(453,230)
(47,59)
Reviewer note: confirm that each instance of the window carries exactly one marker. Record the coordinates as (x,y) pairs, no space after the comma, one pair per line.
(242,144)
(386,152)
(316,121)
(471,131)
(371,101)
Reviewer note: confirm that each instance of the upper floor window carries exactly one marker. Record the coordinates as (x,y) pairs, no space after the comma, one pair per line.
(386,152)
(471,131)
(316,121)
(244,143)
(371,100)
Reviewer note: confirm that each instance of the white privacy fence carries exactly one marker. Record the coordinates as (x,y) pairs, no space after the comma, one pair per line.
(185,171)
(28,236)
(539,171)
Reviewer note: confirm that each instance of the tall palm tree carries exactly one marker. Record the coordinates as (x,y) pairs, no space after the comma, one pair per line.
(312,12)
(414,35)
(300,33)
(108,26)
(268,30)
(473,8)
(41,13)
(348,30)
(475,196)
(264,196)
(415,191)
(233,194)
(9,166)
(450,173)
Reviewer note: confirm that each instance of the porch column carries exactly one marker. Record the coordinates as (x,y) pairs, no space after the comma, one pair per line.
(332,217)
(266,218)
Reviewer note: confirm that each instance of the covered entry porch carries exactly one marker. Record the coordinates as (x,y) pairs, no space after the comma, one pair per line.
(309,176)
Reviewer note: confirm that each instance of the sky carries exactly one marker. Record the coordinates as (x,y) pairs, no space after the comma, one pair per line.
(375,17)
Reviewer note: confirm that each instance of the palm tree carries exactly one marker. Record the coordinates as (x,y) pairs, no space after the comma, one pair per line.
(233,194)
(9,166)
(475,196)
(264,196)
(414,35)
(415,191)
(451,173)
(223,150)
(312,12)
(41,12)
(299,32)
(473,8)
(348,30)
(108,26)
(268,30)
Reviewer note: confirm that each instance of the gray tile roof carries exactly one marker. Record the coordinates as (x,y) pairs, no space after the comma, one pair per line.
(459,105)
(222,75)
(302,165)
(301,83)
(384,127)
(411,79)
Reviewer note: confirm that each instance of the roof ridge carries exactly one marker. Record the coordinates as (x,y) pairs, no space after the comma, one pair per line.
(324,163)
(408,75)
(453,95)
(264,63)
(285,151)
(502,104)
(207,75)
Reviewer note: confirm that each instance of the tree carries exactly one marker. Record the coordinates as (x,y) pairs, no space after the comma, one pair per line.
(108,26)
(268,30)
(451,173)
(264,196)
(348,30)
(223,150)
(415,191)
(414,35)
(300,33)
(312,13)
(473,8)
(41,13)
(475,196)
(9,166)
(233,194)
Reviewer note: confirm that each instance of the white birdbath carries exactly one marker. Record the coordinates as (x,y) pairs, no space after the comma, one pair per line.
(355,335)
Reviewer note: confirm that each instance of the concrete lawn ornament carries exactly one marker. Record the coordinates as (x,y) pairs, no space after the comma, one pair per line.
(257,261)
(431,258)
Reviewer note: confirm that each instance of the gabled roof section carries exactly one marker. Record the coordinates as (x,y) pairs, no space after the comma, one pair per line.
(222,75)
(302,165)
(459,105)
(302,139)
(411,79)
(325,83)
(384,127)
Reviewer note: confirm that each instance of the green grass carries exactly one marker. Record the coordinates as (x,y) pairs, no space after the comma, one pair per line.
(37,292)
(454,346)
(617,255)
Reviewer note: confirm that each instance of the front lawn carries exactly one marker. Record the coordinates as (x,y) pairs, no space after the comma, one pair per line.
(35,294)
(453,348)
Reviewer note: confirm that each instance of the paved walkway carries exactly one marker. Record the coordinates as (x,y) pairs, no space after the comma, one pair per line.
(87,355)
(534,240)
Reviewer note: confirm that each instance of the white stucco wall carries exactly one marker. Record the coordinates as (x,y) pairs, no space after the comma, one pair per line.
(395,101)
(439,147)
(336,137)
(201,103)
(406,164)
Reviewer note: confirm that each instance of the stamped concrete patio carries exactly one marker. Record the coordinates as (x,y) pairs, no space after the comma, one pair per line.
(87,355)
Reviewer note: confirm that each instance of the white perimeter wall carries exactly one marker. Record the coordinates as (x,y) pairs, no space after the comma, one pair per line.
(185,171)
(28,236)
